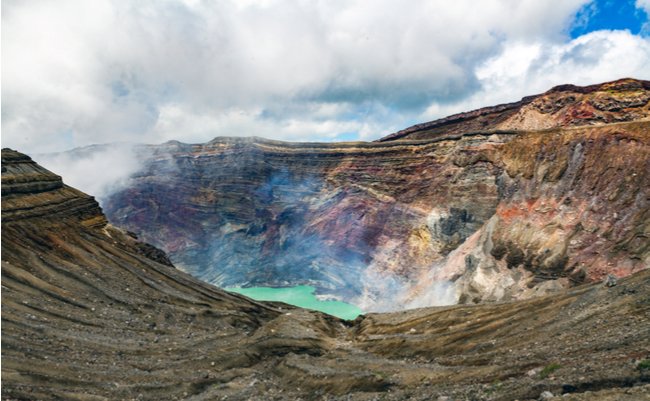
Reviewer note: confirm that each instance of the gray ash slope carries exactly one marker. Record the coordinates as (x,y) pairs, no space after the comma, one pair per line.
(90,313)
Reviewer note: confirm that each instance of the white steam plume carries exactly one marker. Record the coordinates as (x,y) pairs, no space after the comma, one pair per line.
(97,170)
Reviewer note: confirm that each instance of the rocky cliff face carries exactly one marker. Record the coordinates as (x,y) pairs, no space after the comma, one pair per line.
(574,207)
(87,315)
(345,217)
(451,215)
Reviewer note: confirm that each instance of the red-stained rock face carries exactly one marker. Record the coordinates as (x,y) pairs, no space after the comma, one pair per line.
(574,208)
(504,213)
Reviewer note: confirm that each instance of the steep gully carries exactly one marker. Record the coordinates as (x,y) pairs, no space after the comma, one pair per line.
(91,313)
(500,203)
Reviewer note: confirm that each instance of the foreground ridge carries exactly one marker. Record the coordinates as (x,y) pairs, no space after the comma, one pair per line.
(91,313)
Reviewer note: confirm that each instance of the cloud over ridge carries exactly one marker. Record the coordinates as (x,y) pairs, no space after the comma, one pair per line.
(77,73)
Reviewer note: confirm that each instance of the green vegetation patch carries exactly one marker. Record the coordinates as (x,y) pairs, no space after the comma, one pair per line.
(548,369)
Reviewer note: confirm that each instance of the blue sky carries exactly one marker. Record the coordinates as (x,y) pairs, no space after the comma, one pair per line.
(611,15)
(76,73)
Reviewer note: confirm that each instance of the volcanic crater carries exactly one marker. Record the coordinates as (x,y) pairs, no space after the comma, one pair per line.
(534,215)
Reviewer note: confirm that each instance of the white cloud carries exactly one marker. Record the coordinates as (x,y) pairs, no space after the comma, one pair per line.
(645,6)
(78,72)
(176,121)
(111,167)
(522,69)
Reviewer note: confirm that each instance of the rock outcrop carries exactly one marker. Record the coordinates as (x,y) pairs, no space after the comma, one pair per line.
(574,206)
(30,191)
(87,315)
(495,204)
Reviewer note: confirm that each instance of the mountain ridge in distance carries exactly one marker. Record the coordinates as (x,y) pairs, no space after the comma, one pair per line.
(561,106)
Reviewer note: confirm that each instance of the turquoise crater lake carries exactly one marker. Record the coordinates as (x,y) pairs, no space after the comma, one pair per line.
(302,296)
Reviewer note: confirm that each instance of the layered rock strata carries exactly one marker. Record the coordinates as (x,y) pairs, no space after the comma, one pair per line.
(473,217)
(342,217)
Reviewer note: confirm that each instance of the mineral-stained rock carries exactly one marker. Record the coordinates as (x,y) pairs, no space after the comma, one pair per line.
(383,224)
(574,208)
(86,315)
